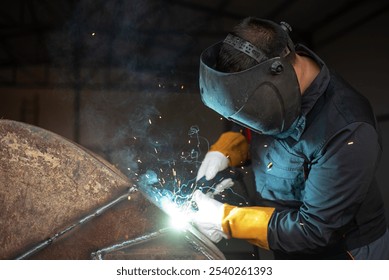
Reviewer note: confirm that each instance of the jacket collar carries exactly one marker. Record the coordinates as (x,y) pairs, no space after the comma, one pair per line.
(318,85)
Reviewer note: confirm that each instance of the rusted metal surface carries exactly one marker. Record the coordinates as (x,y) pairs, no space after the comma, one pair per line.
(47,182)
(126,220)
(54,196)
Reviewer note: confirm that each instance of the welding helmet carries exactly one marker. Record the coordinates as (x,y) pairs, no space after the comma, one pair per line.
(264,98)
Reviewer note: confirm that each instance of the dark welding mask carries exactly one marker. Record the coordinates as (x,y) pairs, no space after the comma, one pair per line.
(264,98)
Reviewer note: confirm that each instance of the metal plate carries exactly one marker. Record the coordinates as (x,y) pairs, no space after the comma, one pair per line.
(60,201)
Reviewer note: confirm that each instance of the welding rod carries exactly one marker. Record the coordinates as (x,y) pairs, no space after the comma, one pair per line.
(85,219)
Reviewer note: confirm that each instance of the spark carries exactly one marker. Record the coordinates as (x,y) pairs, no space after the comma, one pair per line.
(350,143)
(171,190)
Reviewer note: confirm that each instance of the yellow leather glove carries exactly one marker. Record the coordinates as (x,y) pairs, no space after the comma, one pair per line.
(234,146)
(217,220)
(250,223)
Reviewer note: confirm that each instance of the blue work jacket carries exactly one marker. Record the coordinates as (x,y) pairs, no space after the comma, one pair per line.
(320,175)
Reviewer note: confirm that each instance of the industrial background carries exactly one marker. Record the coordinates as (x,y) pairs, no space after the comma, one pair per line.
(104,72)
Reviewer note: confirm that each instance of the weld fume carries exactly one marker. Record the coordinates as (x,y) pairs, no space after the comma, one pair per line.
(103,49)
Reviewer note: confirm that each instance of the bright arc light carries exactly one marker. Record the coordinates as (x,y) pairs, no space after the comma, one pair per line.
(179,222)
(178,219)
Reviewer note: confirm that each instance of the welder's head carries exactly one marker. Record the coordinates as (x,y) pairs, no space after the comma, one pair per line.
(249,78)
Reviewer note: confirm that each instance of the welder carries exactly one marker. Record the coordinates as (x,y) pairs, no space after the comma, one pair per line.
(311,140)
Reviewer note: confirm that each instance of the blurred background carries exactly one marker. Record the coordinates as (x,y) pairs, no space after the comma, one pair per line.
(120,77)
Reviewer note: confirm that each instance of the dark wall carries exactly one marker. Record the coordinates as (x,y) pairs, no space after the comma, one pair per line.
(361,56)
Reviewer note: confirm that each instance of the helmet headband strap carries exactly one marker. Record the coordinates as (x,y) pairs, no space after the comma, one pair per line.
(245,47)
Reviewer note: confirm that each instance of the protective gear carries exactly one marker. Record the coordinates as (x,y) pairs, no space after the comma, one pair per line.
(234,146)
(217,220)
(208,218)
(265,98)
(250,223)
(245,47)
(213,163)
(230,149)
(223,185)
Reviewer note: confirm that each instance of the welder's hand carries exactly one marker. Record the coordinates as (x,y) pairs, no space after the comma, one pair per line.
(223,185)
(213,163)
(209,216)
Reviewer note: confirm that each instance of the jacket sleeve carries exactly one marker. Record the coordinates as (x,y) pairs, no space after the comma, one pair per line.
(234,146)
(337,184)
